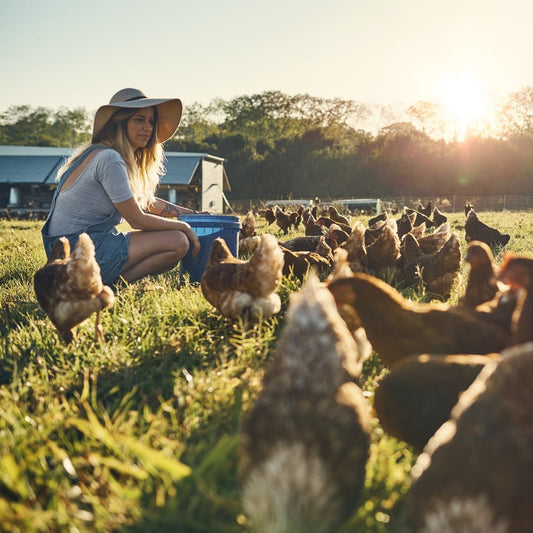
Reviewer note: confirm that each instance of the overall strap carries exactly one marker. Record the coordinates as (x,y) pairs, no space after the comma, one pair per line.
(75,165)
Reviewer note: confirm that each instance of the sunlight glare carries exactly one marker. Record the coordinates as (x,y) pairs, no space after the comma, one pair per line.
(465,103)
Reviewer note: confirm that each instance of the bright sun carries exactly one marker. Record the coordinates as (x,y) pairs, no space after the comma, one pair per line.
(465,104)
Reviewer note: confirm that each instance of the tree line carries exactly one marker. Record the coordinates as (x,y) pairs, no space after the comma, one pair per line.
(280,146)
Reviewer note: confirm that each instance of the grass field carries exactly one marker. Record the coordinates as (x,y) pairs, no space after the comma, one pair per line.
(141,433)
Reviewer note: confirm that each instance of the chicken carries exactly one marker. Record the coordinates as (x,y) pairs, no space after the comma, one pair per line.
(438,217)
(517,271)
(475,230)
(312,228)
(397,327)
(328,222)
(416,397)
(248,238)
(283,220)
(440,270)
(305,443)
(382,247)
(295,218)
(467,208)
(308,243)
(433,242)
(239,288)
(69,287)
(428,210)
(270,215)
(481,286)
(420,218)
(299,263)
(337,234)
(404,224)
(378,218)
(248,226)
(475,473)
(337,217)
(355,246)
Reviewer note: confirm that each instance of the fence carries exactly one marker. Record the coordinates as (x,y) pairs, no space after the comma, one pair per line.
(450,204)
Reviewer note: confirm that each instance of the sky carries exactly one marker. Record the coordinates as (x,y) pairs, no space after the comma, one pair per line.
(68,53)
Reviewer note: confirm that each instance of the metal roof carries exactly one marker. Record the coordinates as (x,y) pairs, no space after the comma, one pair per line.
(39,165)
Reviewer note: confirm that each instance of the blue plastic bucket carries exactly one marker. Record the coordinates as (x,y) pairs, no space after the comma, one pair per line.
(208,228)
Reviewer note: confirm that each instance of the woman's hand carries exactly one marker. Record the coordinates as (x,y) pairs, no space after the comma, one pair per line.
(193,239)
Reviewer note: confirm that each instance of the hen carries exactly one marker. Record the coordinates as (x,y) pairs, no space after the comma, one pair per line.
(239,288)
(518,273)
(248,238)
(382,247)
(355,246)
(270,215)
(337,217)
(438,217)
(283,221)
(475,472)
(440,270)
(299,263)
(397,327)
(475,230)
(416,397)
(69,287)
(305,443)
(481,286)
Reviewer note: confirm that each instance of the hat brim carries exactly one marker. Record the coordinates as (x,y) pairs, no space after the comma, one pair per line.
(168,115)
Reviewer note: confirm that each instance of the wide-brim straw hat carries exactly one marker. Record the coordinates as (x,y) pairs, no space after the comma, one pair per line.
(168,111)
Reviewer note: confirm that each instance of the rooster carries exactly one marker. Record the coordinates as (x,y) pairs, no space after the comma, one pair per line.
(475,473)
(239,288)
(305,444)
(69,287)
(397,327)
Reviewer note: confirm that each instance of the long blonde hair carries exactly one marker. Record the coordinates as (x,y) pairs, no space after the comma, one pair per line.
(145,165)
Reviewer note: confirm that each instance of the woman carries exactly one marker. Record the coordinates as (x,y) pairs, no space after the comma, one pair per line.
(115,178)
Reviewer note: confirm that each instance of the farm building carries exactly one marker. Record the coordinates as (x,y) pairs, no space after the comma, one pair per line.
(27,180)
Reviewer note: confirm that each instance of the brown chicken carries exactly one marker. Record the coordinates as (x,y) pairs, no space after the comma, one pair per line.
(355,246)
(420,218)
(308,243)
(404,224)
(475,472)
(517,271)
(328,222)
(69,287)
(337,217)
(482,283)
(416,397)
(239,288)
(378,218)
(475,230)
(438,217)
(312,228)
(382,247)
(305,443)
(428,210)
(397,327)
(299,263)
(270,215)
(433,242)
(283,220)
(248,238)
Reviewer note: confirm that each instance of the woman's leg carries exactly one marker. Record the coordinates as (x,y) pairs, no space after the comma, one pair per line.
(154,252)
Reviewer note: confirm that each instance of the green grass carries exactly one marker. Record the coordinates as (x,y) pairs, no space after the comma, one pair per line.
(141,433)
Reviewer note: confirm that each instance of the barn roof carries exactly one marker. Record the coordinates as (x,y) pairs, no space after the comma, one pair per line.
(39,165)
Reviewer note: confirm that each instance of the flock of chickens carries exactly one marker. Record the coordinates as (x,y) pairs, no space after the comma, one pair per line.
(459,387)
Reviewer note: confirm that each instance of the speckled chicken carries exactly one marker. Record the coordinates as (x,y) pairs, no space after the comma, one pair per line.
(475,473)
(69,287)
(305,443)
(397,327)
(244,288)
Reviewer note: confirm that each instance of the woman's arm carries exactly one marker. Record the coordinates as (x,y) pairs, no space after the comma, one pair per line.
(168,210)
(138,219)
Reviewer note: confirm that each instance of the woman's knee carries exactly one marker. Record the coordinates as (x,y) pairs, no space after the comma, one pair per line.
(179,243)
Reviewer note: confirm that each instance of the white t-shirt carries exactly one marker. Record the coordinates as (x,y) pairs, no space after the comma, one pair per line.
(90,198)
